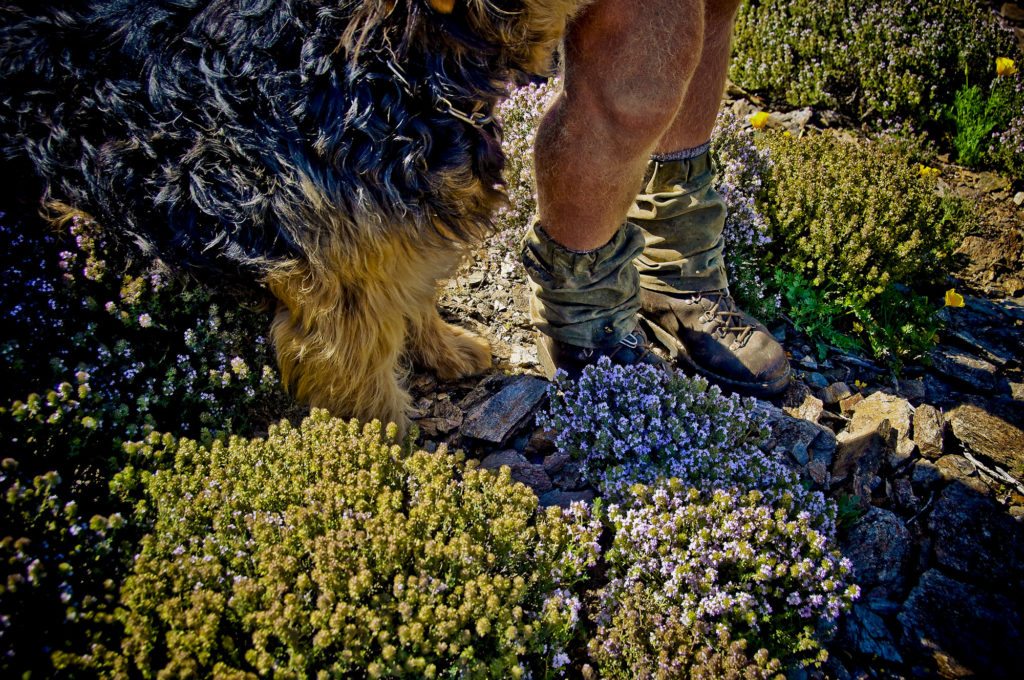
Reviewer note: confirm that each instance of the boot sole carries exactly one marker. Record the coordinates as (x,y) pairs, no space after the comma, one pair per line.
(677,351)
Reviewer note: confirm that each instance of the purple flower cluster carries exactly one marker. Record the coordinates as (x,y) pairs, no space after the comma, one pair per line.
(520,115)
(636,424)
(743,169)
(760,566)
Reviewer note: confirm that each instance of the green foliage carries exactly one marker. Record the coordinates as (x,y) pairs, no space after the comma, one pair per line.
(814,313)
(856,226)
(848,510)
(325,551)
(976,113)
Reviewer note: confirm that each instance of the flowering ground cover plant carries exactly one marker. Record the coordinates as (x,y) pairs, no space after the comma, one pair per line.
(743,169)
(98,352)
(639,424)
(727,559)
(895,65)
(707,530)
(326,551)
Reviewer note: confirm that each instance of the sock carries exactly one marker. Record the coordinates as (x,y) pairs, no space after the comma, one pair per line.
(682,154)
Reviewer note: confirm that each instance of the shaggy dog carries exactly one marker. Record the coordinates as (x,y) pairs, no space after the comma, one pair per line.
(341,153)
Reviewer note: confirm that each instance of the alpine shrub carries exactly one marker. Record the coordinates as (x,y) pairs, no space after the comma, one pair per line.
(325,551)
(876,60)
(737,562)
(856,219)
(98,351)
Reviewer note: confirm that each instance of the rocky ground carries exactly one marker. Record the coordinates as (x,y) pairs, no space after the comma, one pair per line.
(928,467)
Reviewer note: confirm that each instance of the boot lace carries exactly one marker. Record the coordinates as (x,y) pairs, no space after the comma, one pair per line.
(726,317)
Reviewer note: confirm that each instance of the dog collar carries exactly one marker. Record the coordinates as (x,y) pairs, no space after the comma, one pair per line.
(476,117)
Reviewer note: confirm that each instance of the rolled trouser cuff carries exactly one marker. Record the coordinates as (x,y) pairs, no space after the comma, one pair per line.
(682,218)
(587,299)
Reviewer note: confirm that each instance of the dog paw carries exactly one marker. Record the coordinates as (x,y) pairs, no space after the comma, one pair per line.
(464,354)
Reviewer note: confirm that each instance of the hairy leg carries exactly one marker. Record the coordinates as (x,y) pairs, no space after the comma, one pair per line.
(696,118)
(628,65)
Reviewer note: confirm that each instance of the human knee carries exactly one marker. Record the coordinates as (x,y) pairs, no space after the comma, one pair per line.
(635,113)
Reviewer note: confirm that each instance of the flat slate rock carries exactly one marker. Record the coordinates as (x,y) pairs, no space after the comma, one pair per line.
(498,417)
(965,630)
(990,437)
(965,369)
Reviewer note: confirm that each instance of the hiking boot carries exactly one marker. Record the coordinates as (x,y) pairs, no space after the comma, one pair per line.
(709,334)
(632,350)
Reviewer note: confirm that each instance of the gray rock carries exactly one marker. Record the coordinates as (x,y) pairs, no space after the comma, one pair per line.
(541,441)
(788,433)
(847,404)
(879,547)
(901,491)
(817,470)
(800,454)
(500,415)
(981,347)
(834,393)
(810,409)
(965,630)
(869,414)
(521,469)
(989,437)
(929,431)
(965,369)
(566,498)
(570,477)
(859,458)
(912,389)
(975,538)
(961,471)
(866,632)
(925,475)
(509,457)
(555,462)
(816,381)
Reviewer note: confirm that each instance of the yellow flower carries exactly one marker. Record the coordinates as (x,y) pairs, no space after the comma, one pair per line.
(954,299)
(859,384)
(1005,67)
(927,172)
(759,119)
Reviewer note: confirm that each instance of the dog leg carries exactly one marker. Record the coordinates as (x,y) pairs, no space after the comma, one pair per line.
(338,346)
(451,352)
